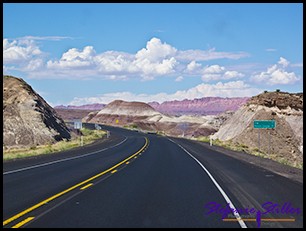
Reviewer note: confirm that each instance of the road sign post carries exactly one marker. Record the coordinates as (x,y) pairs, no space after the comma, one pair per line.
(258,140)
(269,143)
(97,127)
(184,127)
(264,124)
(77,124)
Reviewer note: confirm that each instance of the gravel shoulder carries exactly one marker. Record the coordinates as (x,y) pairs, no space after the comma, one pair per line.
(271,165)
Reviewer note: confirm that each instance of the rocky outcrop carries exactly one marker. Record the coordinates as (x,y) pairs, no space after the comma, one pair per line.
(202,106)
(145,117)
(28,120)
(285,141)
(280,100)
(122,113)
(120,107)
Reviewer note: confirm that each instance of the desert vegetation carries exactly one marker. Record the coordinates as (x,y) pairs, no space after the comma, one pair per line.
(249,150)
(89,136)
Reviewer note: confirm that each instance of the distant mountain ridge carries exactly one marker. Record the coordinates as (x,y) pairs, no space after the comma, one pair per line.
(199,106)
(93,107)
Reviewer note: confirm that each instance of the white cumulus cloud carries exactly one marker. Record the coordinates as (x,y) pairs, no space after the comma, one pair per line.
(193,65)
(156,51)
(156,59)
(283,62)
(216,72)
(74,58)
(276,74)
(19,52)
(229,89)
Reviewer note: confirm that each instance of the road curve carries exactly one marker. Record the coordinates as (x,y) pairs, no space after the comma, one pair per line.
(158,183)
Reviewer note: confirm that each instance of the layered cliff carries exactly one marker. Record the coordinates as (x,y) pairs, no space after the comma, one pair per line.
(28,120)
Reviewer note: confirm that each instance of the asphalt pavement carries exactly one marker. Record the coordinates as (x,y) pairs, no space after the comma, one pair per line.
(136,180)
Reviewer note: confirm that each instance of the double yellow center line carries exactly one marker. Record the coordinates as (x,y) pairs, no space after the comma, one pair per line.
(71,188)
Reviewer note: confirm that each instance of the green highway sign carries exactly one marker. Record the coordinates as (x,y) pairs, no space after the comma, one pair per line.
(264,123)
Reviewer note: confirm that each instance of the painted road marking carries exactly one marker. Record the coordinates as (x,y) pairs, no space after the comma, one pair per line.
(135,157)
(114,171)
(7,221)
(62,160)
(86,186)
(23,222)
(269,175)
(262,219)
(237,215)
(127,162)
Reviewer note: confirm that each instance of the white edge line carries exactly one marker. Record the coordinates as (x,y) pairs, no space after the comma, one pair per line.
(62,160)
(237,215)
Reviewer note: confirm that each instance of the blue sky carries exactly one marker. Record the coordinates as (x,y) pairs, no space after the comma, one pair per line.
(79,53)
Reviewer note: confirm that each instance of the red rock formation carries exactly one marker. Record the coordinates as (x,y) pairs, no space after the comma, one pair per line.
(202,106)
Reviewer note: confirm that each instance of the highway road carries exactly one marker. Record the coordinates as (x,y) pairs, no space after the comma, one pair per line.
(139,180)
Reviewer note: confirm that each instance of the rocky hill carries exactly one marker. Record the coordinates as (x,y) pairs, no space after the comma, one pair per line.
(120,107)
(201,106)
(145,117)
(122,113)
(27,118)
(286,140)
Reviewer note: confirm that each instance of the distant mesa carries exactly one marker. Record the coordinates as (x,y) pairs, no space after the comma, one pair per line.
(92,107)
(144,117)
(120,107)
(200,106)
(28,120)
(193,118)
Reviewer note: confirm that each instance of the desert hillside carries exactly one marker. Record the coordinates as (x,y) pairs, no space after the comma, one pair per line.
(27,118)
(286,140)
(196,107)
(144,117)
(201,106)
